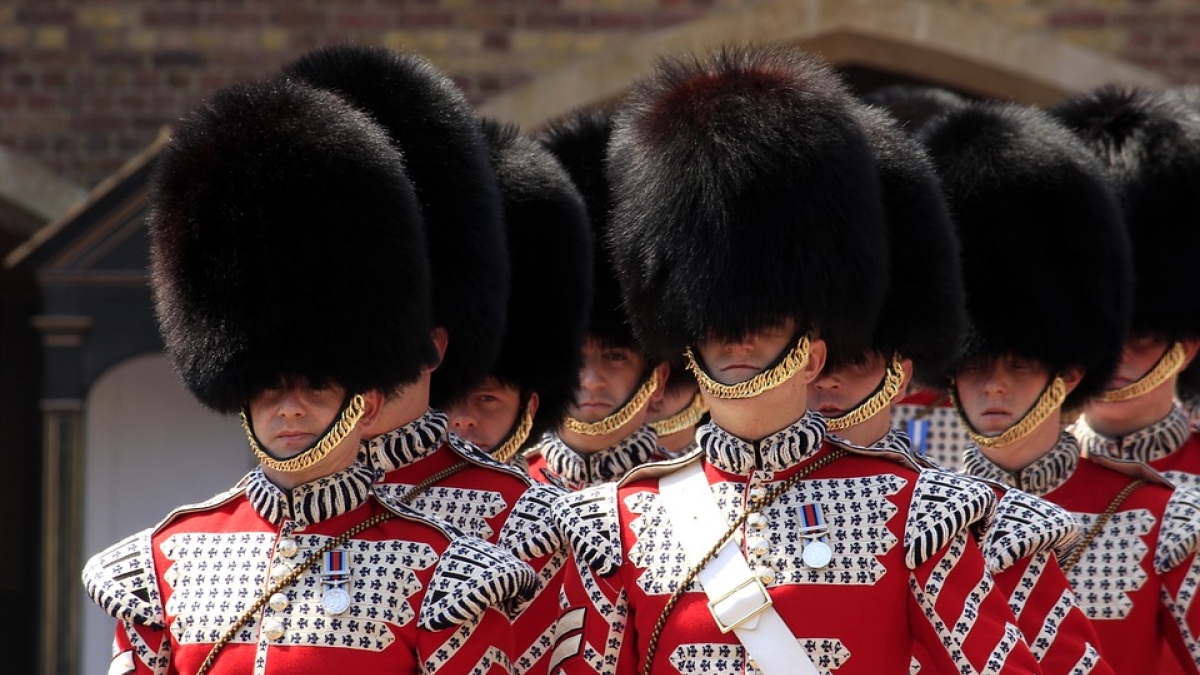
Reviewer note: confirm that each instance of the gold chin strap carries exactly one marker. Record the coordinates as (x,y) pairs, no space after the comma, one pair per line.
(336,434)
(511,445)
(619,418)
(1170,363)
(1051,399)
(688,417)
(885,394)
(792,363)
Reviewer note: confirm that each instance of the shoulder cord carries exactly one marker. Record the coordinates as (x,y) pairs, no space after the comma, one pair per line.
(755,505)
(312,560)
(1094,530)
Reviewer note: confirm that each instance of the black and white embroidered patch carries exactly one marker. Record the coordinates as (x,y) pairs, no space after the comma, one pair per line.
(943,505)
(473,575)
(1179,534)
(1024,526)
(530,532)
(122,581)
(589,521)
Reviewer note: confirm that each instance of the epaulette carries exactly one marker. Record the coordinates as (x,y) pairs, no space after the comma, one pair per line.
(206,505)
(1179,533)
(529,532)
(122,581)
(589,521)
(472,453)
(471,576)
(1025,526)
(660,468)
(943,505)
(1132,468)
(894,455)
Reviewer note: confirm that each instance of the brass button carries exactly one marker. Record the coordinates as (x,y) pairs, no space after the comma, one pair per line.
(278,602)
(765,575)
(273,628)
(759,546)
(280,572)
(757,521)
(288,548)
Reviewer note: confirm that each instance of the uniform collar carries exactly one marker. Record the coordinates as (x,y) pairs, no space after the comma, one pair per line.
(892,441)
(1043,476)
(1144,445)
(313,502)
(604,466)
(411,442)
(777,452)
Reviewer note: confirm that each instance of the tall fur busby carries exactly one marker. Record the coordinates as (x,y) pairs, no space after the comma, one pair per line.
(286,240)
(580,142)
(745,194)
(1149,141)
(913,106)
(1045,256)
(435,129)
(924,311)
(550,250)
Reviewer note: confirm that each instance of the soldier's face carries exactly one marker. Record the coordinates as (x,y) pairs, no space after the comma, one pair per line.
(838,391)
(290,416)
(734,361)
(608,378)
(487,414)
(672,402)
(995,393)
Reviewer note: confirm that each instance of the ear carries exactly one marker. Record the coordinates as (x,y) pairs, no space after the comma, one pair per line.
(441,338)
(532,404)
(1071,377)
(372,404)
(817,351)
(1190,347)
(907,365)
(664,371)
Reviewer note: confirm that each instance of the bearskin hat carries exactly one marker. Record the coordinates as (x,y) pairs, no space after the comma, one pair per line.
(913,106)
(282,224)
(1149,142)
(550,250)
(745,194)
(1045,256)
(924,311)
(580,142)
(435,129)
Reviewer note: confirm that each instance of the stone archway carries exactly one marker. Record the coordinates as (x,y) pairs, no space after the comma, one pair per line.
(956,48)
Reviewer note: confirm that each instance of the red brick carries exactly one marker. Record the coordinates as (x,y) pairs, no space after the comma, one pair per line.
(553,19)
(123,58)
(41,16)
(100,102)
(488,20)
(1078,19)
(178,57)
(496,42)
(175,18)
(94,123)
(23,80)
(67,58)
(235,19)
(361,20)
(41,102)
(298,18)
(423,18)
(617,20)
(146,79)
(54,78)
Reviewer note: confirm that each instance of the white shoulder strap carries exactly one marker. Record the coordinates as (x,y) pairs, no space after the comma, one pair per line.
(737,598)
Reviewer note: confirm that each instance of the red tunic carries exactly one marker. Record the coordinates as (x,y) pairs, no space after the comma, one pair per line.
(176,588)
(901,573)
(1171,446)
(487,499)
(551,461)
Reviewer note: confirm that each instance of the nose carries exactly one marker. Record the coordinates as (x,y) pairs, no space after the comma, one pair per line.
(291,405)
(741,345)
(826,382)
(460,419)
(995,383)
(590,379)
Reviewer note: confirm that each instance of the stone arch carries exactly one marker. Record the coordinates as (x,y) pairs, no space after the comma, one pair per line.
(963,50)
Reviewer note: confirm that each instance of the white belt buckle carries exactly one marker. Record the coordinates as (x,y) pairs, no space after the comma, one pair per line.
(735,598)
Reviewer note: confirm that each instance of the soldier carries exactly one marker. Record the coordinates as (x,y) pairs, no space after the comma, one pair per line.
(1047,275)
(747,230)
(675,417)
(280,218)
(1025,541)
(443,477)
(1150,145)
(550,249)
(605,433)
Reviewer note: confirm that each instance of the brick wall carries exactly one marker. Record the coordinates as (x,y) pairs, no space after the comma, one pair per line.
(86,84)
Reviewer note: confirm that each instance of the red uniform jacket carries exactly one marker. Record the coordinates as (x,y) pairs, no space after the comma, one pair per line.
(904,569)
(1171,446)
(488,499)
(552,461)
(422,596)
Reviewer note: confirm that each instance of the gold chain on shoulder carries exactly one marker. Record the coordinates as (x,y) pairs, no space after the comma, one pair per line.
(336,434)
(754,505)
(792,363)
(1170,363)
(1051,399)
(1094,530)
(286,581)
(892,379)
(688,417)
(511,445)
(619,418)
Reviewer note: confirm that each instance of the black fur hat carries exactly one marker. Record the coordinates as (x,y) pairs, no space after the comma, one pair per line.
(550,250)
(580,142)
(745,194)
(1045,256)
(912,105)
(435,130)
(924,311)
(1149,142)
(286,241)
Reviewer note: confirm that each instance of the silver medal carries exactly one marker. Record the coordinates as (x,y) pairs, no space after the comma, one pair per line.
(335,600)
(817,554)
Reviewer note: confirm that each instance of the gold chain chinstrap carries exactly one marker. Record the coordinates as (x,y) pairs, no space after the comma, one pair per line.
(336,434)
(883,396)
(1051,399)
(792,363)
(1171,362)
(512,444)
(690,416)
(622,416)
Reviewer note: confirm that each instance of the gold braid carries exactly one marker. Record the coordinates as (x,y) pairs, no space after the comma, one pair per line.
(1051,399)
(884,395)
(619,418)
(755,504)
(1094,530)
(336,434)
(792,363)
(511,445)
(1171,362)
(688,417)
